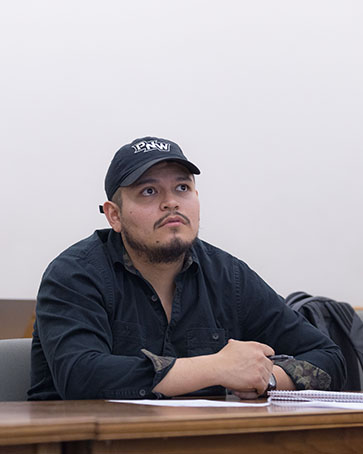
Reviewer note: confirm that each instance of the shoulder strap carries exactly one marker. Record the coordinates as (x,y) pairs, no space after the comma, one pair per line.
(350,322)
(298,299)
(293,298)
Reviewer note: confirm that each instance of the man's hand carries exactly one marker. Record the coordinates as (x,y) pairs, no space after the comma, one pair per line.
(244,367)
(283,381)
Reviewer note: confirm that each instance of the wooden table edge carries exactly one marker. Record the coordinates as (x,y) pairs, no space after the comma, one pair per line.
(109,429)
(44,433)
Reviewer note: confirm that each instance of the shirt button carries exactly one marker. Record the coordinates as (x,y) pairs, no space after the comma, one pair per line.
(154,298)
(215,336)
(142,392)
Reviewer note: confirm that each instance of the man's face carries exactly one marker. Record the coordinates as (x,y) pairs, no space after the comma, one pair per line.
(160,212)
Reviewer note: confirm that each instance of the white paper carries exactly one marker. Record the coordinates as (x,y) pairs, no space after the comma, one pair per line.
(223,403)
(191,403)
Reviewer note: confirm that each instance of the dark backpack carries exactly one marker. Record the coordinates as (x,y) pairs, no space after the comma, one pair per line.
(341,323)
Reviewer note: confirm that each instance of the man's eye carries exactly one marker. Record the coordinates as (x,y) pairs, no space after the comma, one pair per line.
(182,187)
(148,191)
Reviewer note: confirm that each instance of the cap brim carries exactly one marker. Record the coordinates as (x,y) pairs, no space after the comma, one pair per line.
(136,174)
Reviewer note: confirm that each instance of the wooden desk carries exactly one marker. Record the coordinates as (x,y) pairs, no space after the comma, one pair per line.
(79,427)
(41,427)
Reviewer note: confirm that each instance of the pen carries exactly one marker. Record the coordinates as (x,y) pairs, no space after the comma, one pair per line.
(279,357)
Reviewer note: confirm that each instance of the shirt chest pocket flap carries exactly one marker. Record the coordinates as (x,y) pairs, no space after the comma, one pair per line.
(127,338)
(204,341)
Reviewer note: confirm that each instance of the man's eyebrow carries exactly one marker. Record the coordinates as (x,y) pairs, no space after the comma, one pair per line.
(141,181)
(185,178)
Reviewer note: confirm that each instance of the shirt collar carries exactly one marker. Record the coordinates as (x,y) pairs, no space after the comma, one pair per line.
(115,247)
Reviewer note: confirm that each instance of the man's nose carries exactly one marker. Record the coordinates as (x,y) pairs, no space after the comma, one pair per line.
(169,203)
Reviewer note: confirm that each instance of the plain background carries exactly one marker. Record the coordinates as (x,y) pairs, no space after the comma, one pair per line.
(265,96)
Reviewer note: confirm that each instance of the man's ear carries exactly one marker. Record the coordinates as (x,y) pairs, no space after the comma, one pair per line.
(113,215)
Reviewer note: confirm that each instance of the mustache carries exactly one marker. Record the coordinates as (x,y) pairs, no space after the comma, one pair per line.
(176,213)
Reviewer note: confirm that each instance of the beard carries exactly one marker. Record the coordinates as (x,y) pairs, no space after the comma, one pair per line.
(167,253)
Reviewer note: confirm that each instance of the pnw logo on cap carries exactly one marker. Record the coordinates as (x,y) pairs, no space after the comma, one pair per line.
(150,145)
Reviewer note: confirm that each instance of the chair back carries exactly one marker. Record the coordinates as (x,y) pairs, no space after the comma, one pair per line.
(14,369)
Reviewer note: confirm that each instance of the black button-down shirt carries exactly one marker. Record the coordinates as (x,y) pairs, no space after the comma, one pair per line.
(98,320)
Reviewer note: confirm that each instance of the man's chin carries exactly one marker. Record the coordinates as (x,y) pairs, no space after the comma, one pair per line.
(168,251)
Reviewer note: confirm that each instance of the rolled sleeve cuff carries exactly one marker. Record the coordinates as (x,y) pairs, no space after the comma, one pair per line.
(305,375)
(162,365)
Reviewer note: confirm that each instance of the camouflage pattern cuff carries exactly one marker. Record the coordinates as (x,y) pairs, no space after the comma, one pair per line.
(305,375)
(159,362)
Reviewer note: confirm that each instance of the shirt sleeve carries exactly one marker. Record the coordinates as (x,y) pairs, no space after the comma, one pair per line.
(75,334)
(162,365)
(264,317)
(305,375)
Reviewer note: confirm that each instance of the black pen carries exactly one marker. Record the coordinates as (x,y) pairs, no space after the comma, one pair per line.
(279,357)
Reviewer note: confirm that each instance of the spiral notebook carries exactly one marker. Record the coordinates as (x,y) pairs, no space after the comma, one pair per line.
(315,396)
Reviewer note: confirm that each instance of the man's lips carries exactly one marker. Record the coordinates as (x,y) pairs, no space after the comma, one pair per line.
(173,220)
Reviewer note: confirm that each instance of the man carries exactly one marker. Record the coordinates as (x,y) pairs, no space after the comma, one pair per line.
(148,310)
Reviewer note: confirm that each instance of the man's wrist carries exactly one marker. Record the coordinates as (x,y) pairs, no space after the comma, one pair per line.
(271,386)
(283,381)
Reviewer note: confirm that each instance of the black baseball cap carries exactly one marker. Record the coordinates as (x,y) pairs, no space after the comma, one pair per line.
(135,158)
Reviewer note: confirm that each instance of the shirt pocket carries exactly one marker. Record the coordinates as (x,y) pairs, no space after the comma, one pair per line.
(128,338)
(204,341)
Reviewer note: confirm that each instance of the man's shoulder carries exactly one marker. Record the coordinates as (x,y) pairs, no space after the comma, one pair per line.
(208,253)
(88,250)
(203,247)
(90,245)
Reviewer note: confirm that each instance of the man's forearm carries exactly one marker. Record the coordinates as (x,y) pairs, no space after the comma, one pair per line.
(188,375)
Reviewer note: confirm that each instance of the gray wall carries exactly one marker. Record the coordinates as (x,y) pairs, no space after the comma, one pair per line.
(265,96)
